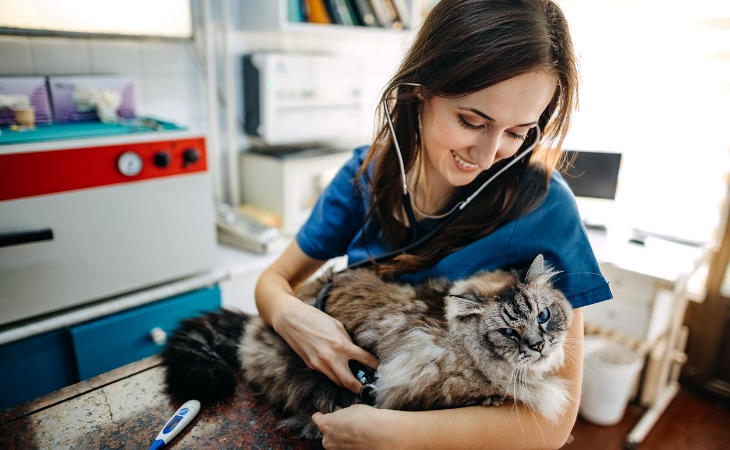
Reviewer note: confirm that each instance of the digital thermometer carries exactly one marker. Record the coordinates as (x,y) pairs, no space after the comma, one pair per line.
(177,422)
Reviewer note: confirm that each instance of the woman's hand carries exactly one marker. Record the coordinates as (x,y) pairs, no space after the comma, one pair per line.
(323,343)
(354,427)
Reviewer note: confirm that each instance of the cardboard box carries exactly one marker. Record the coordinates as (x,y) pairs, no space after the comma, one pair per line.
(37,91)
(62,91)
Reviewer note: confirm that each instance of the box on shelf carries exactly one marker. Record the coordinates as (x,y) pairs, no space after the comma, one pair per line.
(287,182)
(35,89)
(62,89)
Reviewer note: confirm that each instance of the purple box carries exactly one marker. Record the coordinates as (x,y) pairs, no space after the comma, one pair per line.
(36,90)
(62,91)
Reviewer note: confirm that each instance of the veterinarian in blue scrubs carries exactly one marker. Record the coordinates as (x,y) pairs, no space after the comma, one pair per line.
(484,81)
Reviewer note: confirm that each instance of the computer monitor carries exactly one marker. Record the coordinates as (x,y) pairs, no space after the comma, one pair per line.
(593,178)
(592,174)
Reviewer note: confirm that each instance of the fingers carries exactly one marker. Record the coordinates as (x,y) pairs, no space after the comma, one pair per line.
(324,345)
(366,358)
(333,361)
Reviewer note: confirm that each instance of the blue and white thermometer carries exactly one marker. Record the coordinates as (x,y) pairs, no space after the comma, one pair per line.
(177,422)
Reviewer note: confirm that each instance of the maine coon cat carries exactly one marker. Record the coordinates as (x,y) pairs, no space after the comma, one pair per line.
(493,337)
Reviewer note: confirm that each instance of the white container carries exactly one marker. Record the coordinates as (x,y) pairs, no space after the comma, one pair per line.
(610,373)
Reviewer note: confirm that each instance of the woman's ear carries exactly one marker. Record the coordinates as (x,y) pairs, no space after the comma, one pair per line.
(419,92)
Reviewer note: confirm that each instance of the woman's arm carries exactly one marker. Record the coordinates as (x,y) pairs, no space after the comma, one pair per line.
(502,427)
(321,341)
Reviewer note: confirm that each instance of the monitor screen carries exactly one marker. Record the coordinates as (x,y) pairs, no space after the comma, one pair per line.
(592,174)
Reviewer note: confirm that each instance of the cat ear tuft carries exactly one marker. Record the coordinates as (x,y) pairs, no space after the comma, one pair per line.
(539,271)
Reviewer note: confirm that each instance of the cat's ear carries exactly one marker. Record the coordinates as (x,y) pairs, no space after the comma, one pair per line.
(539,271)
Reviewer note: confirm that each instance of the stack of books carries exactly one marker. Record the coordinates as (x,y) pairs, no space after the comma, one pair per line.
(393,14)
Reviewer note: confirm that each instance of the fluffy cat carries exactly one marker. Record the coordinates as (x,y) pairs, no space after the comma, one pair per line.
(493,337)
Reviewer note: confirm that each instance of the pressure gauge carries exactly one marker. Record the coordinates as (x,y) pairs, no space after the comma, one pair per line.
(129,164)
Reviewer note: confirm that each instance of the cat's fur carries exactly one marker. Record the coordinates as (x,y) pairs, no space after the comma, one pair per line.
(440,345)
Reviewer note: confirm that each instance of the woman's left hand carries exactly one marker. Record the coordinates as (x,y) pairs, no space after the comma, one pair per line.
(354,427)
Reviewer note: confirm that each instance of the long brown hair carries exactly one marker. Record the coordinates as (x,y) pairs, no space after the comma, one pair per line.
(462,47)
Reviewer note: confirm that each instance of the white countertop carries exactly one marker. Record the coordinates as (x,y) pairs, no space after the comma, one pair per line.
(662,260)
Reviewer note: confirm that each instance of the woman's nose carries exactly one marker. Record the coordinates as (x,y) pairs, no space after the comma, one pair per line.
(484,152)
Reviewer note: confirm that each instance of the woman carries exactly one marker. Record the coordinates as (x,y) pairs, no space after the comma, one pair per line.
(482,81)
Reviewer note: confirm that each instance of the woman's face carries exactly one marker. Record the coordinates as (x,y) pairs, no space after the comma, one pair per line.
(465,135)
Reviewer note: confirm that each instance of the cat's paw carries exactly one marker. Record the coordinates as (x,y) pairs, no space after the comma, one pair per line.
(303,425)
(493,400)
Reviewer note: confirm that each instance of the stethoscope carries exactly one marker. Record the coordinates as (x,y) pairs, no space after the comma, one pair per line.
(366,375)
(448,217)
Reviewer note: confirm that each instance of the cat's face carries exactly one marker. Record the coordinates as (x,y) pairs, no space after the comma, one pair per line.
(522,322)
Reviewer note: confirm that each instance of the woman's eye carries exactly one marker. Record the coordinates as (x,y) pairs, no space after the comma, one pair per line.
(514,135)
(543,316)
(470,126)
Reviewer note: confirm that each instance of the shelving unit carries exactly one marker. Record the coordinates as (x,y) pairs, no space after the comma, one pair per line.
(275,15)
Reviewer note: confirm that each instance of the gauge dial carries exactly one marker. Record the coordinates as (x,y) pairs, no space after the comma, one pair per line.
(129,164)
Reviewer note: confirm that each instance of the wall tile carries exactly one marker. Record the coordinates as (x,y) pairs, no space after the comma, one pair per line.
(178,98)
(15,56)
(116,57)
(169,58)
(61,56)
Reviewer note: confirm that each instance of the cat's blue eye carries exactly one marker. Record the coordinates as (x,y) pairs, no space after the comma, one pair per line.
(543,316)
(509,332)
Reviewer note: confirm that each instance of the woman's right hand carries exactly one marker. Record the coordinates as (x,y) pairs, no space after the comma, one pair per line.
(322,342)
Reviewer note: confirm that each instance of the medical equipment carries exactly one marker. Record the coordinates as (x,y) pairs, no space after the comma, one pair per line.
(182,417)
(450,215)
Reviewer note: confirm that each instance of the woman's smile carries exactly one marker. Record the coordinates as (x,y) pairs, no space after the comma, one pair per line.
(464,164)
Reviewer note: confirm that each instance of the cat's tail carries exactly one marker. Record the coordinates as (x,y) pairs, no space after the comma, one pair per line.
(201,357)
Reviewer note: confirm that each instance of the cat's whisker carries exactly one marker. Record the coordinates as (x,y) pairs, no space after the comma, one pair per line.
(525,387)
(562,272)
(513,380)
(564,275)
(571,357)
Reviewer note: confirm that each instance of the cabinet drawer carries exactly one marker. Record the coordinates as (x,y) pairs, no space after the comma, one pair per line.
(630,286)
(114,341)
(618,315)
(35,366)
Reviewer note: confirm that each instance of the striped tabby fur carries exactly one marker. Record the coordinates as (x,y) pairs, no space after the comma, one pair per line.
(492,337)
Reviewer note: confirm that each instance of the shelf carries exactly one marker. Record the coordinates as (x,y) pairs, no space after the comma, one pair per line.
(274,16)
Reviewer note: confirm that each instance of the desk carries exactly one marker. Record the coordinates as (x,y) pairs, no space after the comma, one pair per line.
(126,408)
(650,286)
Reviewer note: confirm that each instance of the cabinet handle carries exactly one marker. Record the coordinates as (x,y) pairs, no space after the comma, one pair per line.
(25,237)
(158,335)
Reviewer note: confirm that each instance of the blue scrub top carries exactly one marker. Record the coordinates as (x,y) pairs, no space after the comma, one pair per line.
(336,226)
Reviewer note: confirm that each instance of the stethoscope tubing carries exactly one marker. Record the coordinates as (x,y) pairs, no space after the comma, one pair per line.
(406,195)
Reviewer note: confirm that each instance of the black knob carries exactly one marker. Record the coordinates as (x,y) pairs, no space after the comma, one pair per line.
(162,158)
(190,156)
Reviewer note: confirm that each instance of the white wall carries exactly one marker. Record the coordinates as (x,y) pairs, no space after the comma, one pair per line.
(655,87)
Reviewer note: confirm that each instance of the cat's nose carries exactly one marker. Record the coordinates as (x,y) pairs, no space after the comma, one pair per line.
(536,346)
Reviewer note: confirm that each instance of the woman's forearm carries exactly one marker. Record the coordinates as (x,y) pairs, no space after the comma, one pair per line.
(275,287)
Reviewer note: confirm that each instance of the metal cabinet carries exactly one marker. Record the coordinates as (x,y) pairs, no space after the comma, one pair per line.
(45,363)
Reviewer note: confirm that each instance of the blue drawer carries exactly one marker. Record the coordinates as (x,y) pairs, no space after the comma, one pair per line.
(35,366)
(114,341)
